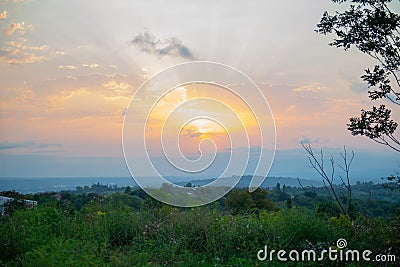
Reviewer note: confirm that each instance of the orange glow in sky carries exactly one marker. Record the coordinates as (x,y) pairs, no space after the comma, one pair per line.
(65,84)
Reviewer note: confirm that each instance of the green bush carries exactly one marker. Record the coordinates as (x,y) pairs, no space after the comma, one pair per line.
(61,252)
(114,231)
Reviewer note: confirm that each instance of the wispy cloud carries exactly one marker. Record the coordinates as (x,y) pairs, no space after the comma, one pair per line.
(92,95)
(67,67)
(19,52)
(116,86)
(313,88)
(26,144)
(150,44)
(20,1)
(3,15)
(16,27)
(191,133)
(102,84)
(92,66)
(307,141)
(15,1)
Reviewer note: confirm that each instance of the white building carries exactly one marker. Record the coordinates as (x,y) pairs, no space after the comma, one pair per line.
(4,200)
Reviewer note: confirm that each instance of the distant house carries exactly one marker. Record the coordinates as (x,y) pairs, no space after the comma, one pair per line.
(5,200)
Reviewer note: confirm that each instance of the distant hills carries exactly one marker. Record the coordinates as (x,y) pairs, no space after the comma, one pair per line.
(268,182)
(34,185)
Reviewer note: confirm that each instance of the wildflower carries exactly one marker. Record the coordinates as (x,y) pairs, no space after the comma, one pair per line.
(101,213)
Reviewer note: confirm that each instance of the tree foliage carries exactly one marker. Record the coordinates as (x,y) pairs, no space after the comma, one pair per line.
(238,201)
(374,29)
(394,182)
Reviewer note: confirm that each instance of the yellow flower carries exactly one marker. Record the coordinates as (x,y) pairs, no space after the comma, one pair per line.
(100,213)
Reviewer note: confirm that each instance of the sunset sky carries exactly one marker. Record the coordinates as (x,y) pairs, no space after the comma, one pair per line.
(68,70)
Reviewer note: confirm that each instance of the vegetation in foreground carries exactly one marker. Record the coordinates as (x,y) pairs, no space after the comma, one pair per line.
(130,229)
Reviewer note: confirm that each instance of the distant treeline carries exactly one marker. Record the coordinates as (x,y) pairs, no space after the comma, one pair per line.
(367,198)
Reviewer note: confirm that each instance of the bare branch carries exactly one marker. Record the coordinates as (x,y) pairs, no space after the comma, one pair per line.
(318,166)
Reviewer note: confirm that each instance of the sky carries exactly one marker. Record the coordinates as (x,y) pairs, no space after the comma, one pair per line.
(69,69)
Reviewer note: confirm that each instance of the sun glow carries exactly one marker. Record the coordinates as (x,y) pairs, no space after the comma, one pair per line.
(204,126)
(185,100)
(196,112)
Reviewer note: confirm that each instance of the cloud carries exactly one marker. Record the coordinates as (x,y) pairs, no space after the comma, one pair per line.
(307,141)
(26,144)
(22,46)
(116,86)
(60,53)
(67,67)
(54,94)
(103,84)
(150,44)
(90,65)
(15,1)
(67,97)
(291,108)
(253,149)
(18,52)
(313,88)
(16,27)
(3,15)
(145,74)
(191,133)
(6,2)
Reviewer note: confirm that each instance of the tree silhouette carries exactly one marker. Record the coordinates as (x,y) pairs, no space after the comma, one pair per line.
(374,29)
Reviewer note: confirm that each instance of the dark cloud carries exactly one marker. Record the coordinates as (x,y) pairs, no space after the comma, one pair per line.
(150,44)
